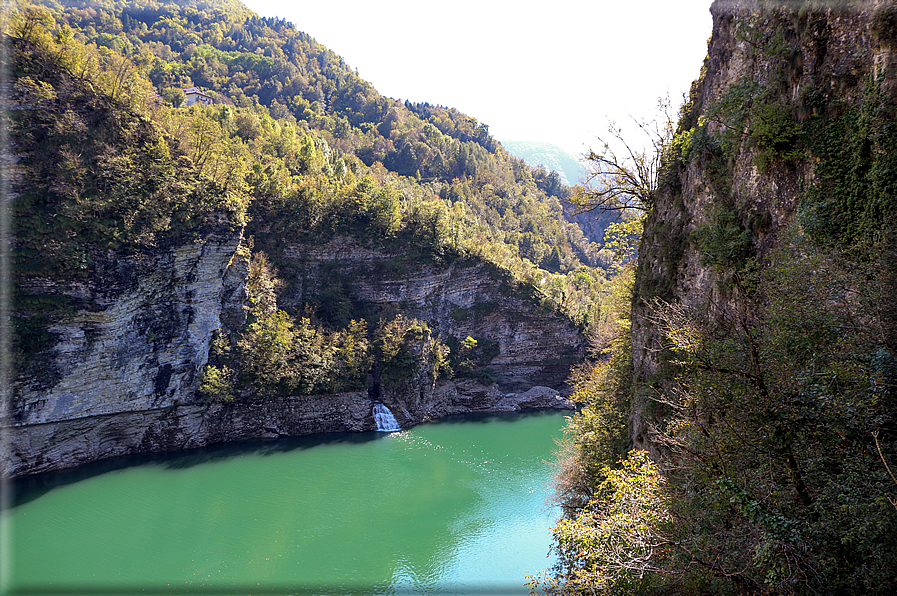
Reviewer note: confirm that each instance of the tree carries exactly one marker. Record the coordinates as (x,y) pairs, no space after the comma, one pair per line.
(621,238)
(629,180)
(620,540)
(266,347)
(216,384)
(173,96)
(773,420)
(32,23)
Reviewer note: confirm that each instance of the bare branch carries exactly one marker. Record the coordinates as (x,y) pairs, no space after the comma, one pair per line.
(887,467)
(618,183)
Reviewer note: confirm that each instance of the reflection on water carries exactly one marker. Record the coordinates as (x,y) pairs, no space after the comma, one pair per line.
(451,507)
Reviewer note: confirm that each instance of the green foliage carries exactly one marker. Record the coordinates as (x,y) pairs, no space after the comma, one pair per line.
(468,357)
(622,238)
(401,346)
(732,114)
(262,285)
(776,133)
(723,242)
(173,96)
(271,70)
(464,355)
(692,141)
(96,175)
(297,148)
(550,183)
(440,366)
(217,384)
(459,314)
(276,354)
(354,356)
(852,201)
(335,309)
(672,239)
(775,403)
(597,435)
(469,343)
(777,485)
(618,541)
(267,346)
(885,24)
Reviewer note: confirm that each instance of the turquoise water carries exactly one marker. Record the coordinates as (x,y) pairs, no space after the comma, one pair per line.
(454,507)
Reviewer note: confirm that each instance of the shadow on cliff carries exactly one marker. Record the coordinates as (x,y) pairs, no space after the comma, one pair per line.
(29,488)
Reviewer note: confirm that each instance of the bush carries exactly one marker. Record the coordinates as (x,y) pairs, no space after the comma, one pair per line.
(620,539)
(777,135)
(723,242)
(395,344)
(217,384)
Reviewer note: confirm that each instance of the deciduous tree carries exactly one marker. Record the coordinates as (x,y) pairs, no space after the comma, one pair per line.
(622,175)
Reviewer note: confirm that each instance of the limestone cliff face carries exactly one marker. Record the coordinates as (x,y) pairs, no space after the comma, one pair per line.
(122,374)
(139,339)
(466,298)
(768,65)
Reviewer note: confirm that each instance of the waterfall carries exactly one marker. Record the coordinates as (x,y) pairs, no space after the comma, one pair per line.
(386,422)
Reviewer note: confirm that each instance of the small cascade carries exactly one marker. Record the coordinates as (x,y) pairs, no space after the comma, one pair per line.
(384,419)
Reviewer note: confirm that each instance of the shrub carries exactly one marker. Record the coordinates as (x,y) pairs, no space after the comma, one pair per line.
(217,384)
(618,541)
(723,242)
(777,135)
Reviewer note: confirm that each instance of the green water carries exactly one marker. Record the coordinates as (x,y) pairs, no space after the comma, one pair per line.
(455,507)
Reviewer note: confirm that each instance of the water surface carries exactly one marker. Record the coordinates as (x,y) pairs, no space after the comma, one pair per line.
(454,507)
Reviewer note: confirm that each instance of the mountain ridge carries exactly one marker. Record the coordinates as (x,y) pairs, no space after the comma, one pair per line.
(552,157)
(157,247)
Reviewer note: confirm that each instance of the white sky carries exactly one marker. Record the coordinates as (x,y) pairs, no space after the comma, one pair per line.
(554,71)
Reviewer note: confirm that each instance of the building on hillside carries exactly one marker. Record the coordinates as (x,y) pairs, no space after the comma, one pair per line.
(194,95)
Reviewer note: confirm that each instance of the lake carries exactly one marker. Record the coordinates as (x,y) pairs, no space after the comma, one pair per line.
(452,507)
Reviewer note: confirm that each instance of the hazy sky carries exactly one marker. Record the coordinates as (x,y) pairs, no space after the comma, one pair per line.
(551,71)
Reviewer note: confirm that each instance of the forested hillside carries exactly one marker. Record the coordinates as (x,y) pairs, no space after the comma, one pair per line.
(266,68)
(294,147)
(268,77)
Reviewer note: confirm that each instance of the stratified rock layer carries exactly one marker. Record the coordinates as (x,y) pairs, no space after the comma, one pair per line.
(122,375)
(138,346)
(465,298)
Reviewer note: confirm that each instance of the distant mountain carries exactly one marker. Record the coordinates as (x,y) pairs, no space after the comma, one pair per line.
(551,156)
(571,172)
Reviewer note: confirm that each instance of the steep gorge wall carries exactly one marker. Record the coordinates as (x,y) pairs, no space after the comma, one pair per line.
(122,374)
(132,348)
(140,337)
(772,70)
(534,345)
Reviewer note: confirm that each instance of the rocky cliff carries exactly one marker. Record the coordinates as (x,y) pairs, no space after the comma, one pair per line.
(122,373)
(768,134)
(138,340)
(531,344)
